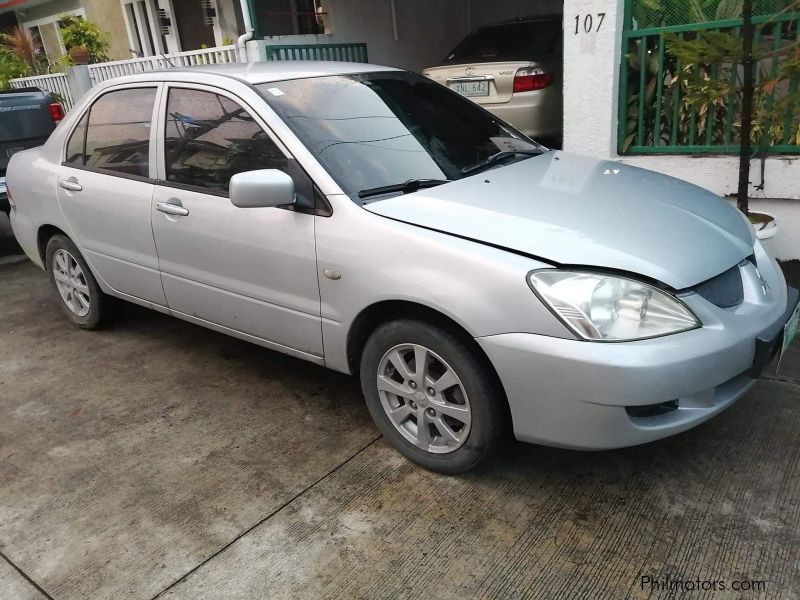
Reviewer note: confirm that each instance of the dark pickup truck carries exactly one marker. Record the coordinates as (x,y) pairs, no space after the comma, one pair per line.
(27,117)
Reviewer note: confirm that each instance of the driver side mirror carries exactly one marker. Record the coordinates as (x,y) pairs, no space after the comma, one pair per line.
(261,189)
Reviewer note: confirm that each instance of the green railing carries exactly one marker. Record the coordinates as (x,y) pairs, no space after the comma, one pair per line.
(343,52)
(654,114)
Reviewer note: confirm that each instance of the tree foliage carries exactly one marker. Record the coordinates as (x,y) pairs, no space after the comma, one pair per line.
(711,76)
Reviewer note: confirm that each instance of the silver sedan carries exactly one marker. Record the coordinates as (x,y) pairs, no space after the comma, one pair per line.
(373,221)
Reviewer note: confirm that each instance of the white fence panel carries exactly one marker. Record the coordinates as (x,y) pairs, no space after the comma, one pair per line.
(207,56)
(58,84)
(55,84)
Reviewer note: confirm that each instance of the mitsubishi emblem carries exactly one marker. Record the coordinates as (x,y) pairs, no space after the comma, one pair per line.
(469,71)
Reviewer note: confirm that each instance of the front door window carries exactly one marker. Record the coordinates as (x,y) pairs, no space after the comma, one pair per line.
(210,138)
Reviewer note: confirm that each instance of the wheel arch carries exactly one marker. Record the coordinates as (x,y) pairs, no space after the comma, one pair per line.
(373,316)
(43,235)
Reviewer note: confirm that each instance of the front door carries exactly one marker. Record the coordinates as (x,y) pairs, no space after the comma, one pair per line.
(193,26)
(252,270)
(105,189)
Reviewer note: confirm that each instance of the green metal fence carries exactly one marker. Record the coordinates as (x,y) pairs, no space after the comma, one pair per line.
(343,52)
(654,115)
(647,14)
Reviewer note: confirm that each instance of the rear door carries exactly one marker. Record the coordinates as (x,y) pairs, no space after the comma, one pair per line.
(252,270)
(105,187)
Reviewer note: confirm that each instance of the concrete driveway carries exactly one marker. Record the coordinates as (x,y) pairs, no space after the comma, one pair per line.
(159,459)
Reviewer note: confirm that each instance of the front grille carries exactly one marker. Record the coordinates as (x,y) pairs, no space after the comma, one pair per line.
(724,290)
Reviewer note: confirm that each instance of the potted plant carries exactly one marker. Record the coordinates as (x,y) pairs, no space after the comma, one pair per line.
(80,55)
(85,42)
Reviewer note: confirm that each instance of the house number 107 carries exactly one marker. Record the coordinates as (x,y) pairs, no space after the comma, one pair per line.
(587,22)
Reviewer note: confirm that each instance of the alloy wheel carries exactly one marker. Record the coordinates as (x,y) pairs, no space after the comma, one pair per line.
(424,398)
(71,283)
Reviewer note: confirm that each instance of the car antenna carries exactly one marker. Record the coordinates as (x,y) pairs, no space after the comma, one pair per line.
(169,61)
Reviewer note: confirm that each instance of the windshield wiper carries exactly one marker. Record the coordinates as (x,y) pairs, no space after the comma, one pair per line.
(497,157)
(407,187)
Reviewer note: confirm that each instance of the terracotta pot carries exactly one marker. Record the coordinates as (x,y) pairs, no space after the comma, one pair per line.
(80,55)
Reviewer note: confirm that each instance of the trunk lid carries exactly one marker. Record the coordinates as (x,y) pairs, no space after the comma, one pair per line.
(499,77)
(580,211)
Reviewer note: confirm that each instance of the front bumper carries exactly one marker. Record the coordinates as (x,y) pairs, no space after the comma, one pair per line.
(595,396)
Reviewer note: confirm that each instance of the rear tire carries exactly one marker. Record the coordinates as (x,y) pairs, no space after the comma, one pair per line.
(79,295)
(455,395)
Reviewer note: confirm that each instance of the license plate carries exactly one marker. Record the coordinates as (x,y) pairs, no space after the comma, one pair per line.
(789,332)
(471,89)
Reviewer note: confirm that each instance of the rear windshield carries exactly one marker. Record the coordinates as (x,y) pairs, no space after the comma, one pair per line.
(526,40)
(23,116)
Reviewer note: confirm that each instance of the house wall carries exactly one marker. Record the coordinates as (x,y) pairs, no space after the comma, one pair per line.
(591,93)
(485,12)
(107,14)
(426,29)
(229,21)
(49,9)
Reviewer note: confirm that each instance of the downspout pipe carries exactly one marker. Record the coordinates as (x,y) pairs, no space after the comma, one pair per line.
(249,30)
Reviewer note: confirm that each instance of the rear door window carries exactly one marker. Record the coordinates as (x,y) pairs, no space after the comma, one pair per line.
(118,133)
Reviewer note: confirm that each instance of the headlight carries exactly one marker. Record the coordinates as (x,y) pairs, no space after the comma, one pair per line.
(608,308)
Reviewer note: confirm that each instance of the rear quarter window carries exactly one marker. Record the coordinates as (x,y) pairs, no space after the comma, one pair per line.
(76,145)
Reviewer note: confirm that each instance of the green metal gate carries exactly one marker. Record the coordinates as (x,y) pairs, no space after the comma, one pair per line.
(343,52)
(654,115)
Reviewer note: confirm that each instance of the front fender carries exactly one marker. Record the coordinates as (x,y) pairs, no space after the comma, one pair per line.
(480,287)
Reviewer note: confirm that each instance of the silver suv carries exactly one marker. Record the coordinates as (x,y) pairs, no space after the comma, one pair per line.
(372,221)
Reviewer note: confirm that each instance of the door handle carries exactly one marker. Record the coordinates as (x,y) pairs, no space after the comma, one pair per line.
(70,184)
(172,209)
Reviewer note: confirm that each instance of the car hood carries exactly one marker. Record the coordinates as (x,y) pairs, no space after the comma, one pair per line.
(579,211)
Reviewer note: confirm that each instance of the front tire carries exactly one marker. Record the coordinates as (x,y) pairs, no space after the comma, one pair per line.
(80,297)
(432,395)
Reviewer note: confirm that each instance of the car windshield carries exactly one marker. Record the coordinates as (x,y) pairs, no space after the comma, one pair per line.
(526,40)
(382,129)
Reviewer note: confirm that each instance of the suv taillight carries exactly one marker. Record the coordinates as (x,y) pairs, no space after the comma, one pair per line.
(56,112)
(528,80)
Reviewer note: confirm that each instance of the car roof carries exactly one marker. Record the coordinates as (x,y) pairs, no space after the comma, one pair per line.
(517,20)
(23,90)
(265,72)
